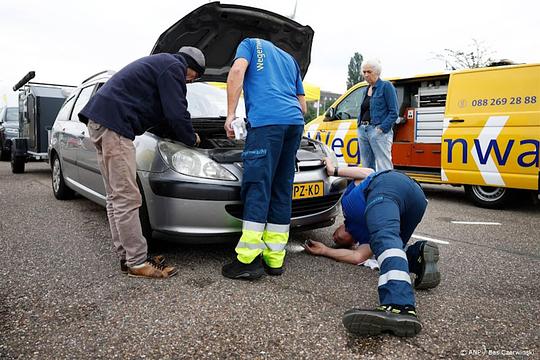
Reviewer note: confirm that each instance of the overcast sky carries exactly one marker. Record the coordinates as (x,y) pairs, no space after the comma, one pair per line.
(67,41)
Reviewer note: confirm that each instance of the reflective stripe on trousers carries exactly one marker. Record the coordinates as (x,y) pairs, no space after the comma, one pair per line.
(271,242)
(250,244)
(275,238)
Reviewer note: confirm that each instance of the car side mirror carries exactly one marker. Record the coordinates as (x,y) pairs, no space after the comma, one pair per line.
(330,114)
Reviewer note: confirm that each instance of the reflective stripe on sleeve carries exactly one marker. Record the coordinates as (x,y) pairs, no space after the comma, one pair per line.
(390,253)
(394,275)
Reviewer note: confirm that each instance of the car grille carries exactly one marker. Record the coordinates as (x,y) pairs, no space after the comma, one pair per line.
(300,207)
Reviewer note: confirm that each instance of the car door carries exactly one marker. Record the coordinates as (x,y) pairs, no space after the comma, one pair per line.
(89,173)
(63,140)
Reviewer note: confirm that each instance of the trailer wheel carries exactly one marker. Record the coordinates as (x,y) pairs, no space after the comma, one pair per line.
(17,163)
(4,155)
(60,189)
(488,196)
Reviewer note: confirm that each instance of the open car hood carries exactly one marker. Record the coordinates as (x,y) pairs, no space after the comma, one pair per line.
(217,29)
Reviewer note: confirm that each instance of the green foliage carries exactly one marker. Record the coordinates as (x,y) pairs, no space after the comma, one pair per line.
(354,75)
(311,112)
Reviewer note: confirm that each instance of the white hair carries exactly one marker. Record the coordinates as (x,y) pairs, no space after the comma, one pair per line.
(374,64)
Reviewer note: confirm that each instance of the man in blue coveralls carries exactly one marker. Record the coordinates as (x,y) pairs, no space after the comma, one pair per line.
(274,98)
(381,213)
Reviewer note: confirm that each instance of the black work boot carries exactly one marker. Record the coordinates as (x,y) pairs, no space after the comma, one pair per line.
(239,270)
(428,275)
(273,271)
(396,320)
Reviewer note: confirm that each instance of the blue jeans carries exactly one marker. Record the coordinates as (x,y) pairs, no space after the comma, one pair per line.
(269,163)
(375,148)
(395,205)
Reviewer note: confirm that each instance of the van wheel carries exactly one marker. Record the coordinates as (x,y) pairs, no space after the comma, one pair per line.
(60,189)
(488,196)
(17,164)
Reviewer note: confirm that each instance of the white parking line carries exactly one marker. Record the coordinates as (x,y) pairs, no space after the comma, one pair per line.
(430,239)
(475,222)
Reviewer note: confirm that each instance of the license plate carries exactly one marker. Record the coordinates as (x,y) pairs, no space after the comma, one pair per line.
(308,190)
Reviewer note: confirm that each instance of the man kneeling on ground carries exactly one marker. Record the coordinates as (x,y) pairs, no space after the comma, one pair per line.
(381,213)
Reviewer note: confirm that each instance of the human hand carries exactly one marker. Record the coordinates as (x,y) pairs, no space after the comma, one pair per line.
(379,130)
(329,166)
(228,126)
(197,140)
(315,247)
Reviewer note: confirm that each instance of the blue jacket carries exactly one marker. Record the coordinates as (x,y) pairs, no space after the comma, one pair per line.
(148,92)
(383,106)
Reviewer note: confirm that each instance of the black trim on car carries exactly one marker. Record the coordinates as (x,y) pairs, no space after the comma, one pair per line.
(193,191)
(82,166)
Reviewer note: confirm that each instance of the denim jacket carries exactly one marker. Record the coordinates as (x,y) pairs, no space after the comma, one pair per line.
(383,105)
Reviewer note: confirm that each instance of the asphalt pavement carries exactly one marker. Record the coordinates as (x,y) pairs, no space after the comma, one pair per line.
(62,295)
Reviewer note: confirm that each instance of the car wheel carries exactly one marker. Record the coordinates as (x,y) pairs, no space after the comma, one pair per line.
(60,189)
(144,217)
(488,196)
(17,164)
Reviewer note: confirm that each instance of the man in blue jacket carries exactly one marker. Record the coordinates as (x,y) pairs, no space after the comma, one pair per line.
(148,92)
(274,97)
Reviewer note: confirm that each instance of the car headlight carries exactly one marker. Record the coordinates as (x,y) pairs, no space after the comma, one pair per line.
(330,155)
(189,162)
(12,131)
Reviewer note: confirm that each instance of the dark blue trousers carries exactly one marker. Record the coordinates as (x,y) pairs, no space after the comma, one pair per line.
(269,164)
(395,205)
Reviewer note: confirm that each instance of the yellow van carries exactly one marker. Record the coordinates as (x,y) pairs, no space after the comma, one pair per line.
(479,128)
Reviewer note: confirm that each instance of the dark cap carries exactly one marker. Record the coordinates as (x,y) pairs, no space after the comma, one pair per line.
(194,58)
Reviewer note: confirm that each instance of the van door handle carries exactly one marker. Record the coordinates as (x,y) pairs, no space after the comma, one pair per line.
(457,120)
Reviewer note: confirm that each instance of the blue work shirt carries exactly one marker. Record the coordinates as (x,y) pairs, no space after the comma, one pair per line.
(271,84)
(383,105)
(148,92)
(353,204)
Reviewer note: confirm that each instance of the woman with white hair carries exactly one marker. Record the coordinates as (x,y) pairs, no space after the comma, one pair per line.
(378,113)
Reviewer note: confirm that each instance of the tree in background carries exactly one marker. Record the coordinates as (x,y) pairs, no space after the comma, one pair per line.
(355,73)
(475,56)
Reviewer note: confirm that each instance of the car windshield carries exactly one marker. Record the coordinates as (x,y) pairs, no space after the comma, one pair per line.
(209,101)
(12,115)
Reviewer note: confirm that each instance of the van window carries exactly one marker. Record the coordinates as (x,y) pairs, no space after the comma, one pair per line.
(349,108)
(82,99)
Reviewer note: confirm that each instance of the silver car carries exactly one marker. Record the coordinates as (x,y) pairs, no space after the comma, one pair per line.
(193,194)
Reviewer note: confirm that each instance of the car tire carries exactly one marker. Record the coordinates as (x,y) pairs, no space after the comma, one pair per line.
(489,197)
(17,164)
(144,217)
(60,190)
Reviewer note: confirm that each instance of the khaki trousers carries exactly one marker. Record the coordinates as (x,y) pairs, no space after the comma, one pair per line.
(116,158)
